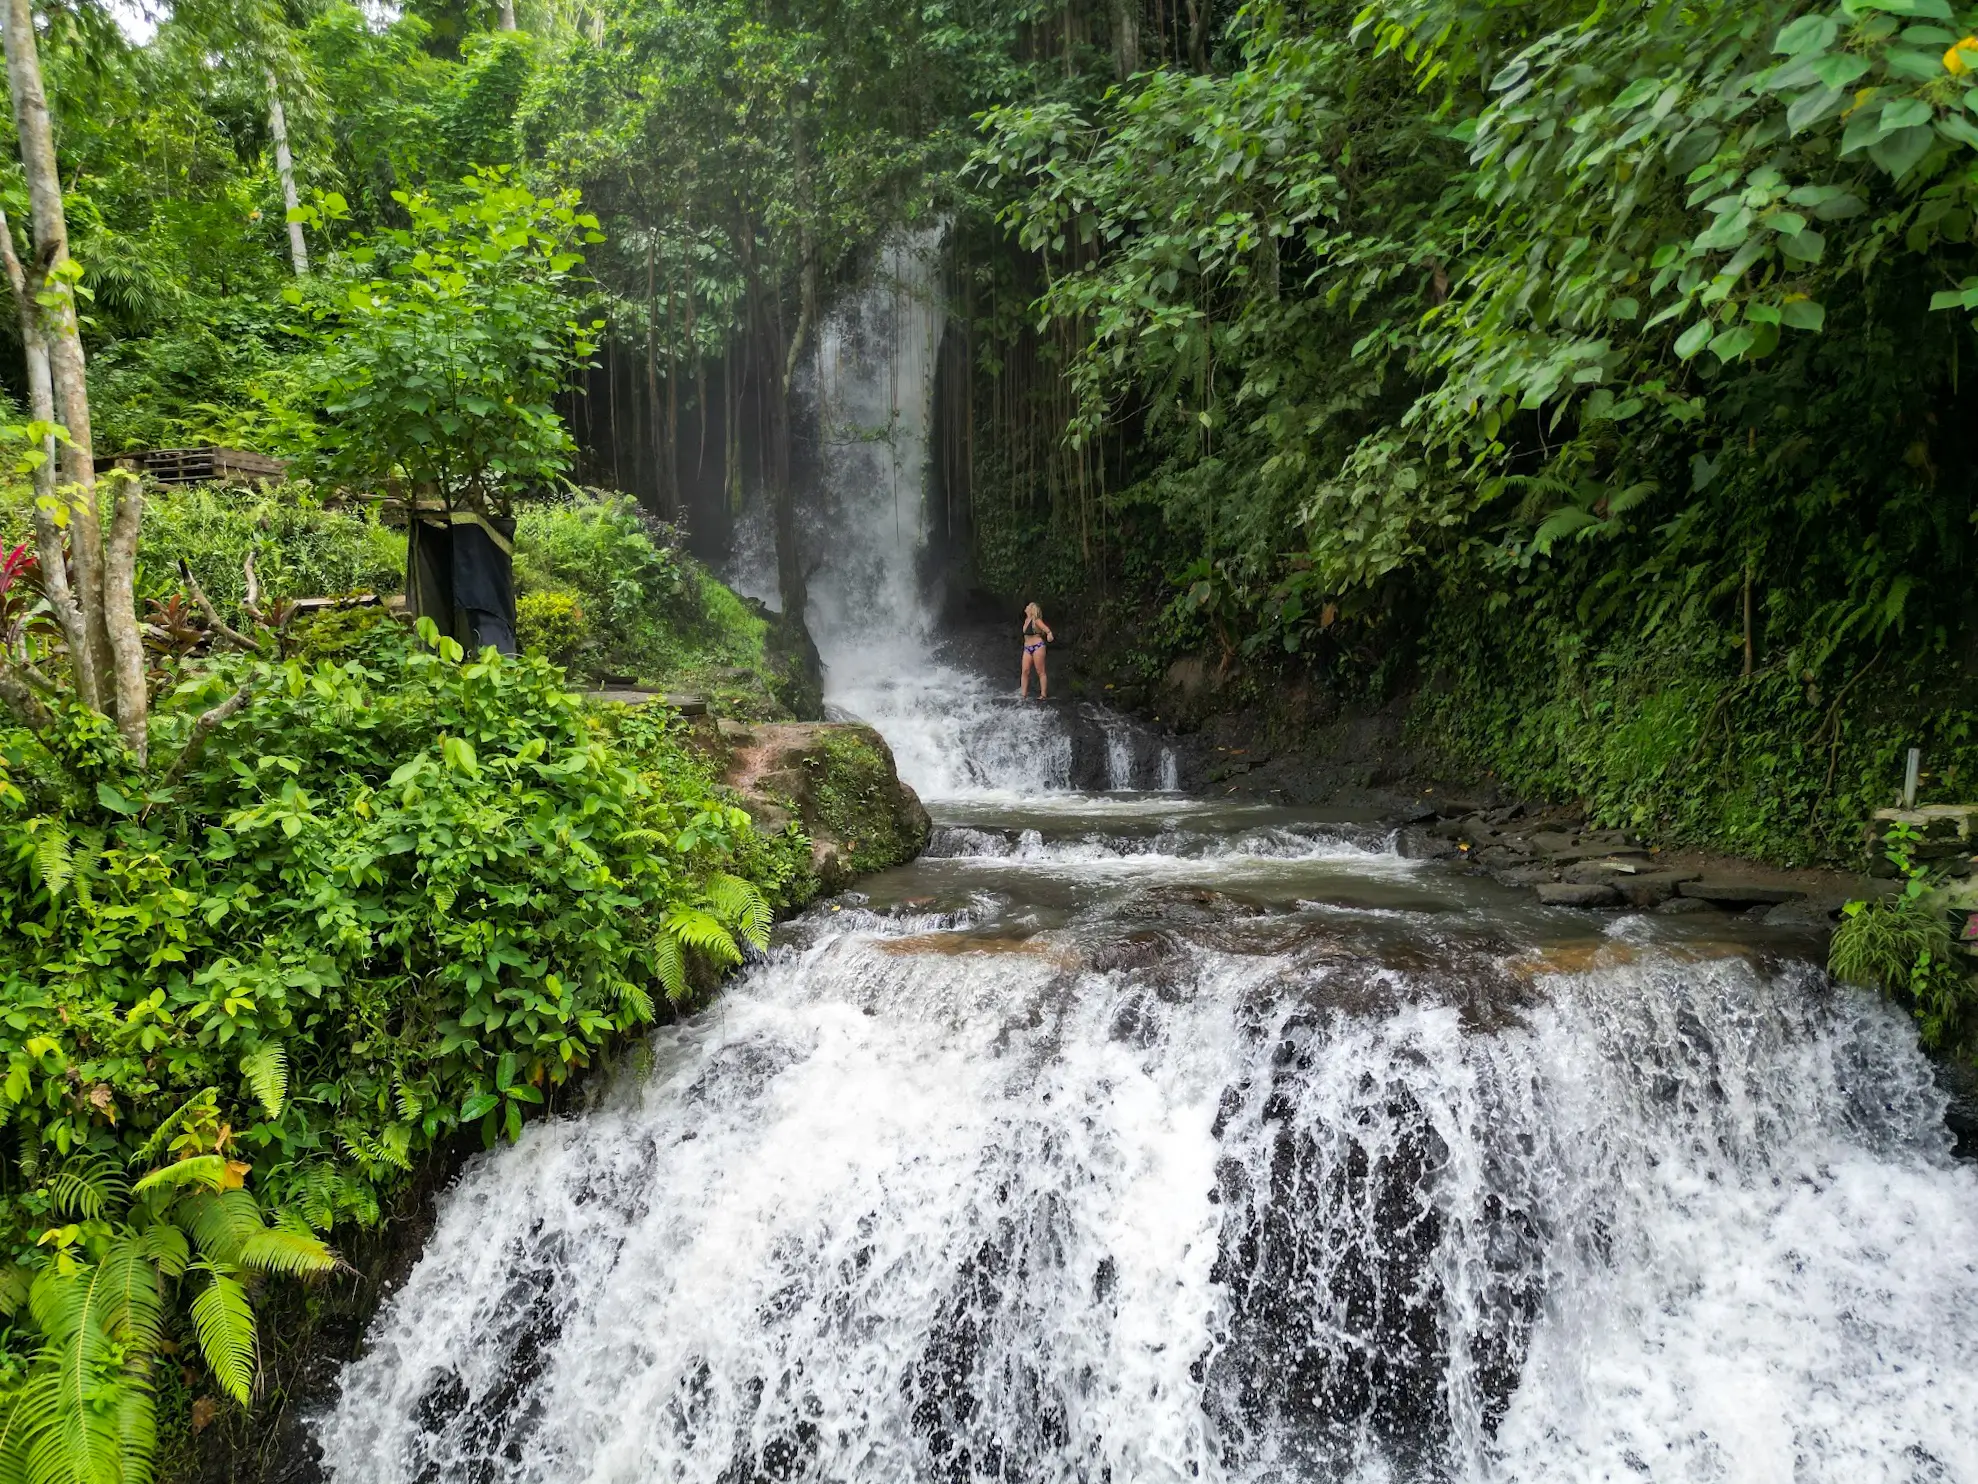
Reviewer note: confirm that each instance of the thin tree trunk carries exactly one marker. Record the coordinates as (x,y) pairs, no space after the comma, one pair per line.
(298,250)
(48,539)
(1126,38)
(1198,34)
(507,21)
(111,678)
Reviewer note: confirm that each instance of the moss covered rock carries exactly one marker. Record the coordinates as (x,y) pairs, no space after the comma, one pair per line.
(838,781)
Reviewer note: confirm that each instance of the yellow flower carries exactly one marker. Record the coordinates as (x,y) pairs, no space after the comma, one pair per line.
(1962,57)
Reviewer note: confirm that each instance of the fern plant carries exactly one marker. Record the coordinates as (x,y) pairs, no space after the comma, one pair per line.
(101,1296)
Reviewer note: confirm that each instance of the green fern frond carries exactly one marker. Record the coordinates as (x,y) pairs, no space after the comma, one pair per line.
(220,1224)
(201,1171)
(137,1430)
(277,1250)
(703,932)
(164,1244)
(738,903)
(360,1199)
(163,1133)
(266,1071)
(392,1148)
(88,1186)
(15,1417)
(670,964)
(14,1283)
(133,1310)
(315,1195)
(633,998)
(409,1103)
(223,1320)
(87,1400)
(52,859)
(73,1430)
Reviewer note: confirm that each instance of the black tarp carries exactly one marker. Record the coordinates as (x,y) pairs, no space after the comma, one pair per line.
(460,572)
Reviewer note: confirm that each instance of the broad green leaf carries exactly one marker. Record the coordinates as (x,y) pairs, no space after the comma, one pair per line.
(1694,339)
(1900,152)
(1810,33)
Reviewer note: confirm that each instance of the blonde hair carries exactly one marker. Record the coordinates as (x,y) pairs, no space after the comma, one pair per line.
(1031,610)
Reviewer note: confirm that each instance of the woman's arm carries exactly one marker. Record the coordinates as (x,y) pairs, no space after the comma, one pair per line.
(1047,631)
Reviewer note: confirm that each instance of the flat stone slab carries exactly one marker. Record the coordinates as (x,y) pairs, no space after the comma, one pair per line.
(686,705)
(1578,894)
(1648,889)
(1595,852)
(1739,893)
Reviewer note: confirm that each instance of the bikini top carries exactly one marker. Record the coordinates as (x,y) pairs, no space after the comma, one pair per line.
(1032,626)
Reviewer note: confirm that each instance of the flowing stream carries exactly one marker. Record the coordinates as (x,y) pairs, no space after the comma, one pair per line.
(1133,1137)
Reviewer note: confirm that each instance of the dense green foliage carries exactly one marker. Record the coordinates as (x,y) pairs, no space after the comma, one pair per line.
(397,897)
(446,343)
(605,591)
(1902,945)
(1624,345)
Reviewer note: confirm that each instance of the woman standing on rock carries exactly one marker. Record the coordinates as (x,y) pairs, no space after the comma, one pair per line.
(1036,634)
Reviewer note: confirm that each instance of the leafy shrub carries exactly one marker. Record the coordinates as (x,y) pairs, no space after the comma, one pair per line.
(653,612)
(303,547)
(552,624)
(393,898)
(1902,945)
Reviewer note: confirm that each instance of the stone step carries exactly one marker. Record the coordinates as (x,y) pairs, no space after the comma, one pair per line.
(1739,893)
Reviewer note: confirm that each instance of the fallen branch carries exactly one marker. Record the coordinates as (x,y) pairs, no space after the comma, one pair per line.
(219,625)
(210,721)
(252,602)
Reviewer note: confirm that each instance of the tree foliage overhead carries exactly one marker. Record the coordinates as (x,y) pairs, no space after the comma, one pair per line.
(1639,327)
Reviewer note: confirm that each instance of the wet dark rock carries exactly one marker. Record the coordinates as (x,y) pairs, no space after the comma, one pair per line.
(1524,875)
(1607,871)
(1139,950)
(1678,906)
(1732,894)
(1503,857)
(1579,894)
(1802,913)
(1551,841)
(1595,852)
(1647,889)
(1417,844)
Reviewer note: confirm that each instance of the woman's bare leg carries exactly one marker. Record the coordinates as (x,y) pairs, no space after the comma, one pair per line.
(1023,680)
(1043,678)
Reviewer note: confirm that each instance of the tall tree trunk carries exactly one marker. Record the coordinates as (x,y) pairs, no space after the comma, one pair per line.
(50,546)
(298,250)
(507,21)
(109,669)
(1198,34)
(1126,38)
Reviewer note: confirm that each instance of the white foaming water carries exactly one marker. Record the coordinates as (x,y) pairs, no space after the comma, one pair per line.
(903,1209)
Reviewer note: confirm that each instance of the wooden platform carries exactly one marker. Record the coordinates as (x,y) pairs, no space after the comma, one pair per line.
(209,465)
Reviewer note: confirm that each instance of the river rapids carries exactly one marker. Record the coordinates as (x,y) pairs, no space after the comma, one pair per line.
(1128,1138)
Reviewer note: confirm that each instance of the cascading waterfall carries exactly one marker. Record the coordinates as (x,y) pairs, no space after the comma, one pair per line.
(1135,1140)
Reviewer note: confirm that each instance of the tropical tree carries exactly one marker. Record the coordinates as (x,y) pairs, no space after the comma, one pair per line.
(448,341)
